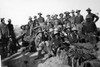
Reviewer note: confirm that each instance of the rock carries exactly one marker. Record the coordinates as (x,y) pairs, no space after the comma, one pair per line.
(54,62)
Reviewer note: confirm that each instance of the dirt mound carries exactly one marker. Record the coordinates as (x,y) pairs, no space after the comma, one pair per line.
(54,62)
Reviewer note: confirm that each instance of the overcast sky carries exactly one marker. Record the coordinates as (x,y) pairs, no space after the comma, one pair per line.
(20,10)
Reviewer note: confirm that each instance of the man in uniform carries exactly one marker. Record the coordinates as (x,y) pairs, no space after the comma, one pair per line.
(89,28)
(12,36)
(89,25)
(30,24)
(67,18)
(4,34)
(61,18)
(72,18)
(10,28)
(78,20)
(48,20)
(41,20)
(94,17)
(36,23)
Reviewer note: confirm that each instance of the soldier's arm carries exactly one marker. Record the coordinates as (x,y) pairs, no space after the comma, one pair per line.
(43,20)
(7,30)
(82,19)
(97,18)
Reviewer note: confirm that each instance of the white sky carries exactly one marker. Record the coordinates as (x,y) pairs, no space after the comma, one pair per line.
(20,10)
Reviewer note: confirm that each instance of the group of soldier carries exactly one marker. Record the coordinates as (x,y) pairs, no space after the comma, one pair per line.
(51,34)
(7,36)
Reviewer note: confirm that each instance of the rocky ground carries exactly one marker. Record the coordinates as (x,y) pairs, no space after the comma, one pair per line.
(28,60)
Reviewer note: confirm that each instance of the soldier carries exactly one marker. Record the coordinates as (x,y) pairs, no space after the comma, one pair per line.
(67,15)
(30,21)
(89,26)
(10,28)
(56,20)
(4,34)
(12,36)
(67,18)
(72,18)
(35,21)
(94,17)
(56,42)
(61,18)
(48,20)
(34,25)
(30,24)
(78,20)
(41,20)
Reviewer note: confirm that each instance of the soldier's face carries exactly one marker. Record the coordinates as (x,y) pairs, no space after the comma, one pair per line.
(27,27)
(56,36)
(56,23)
(48,16)
(35,17)
(23,28)
(61,15)
(78,13)
(73,13)
(88,12)
(56,17)
(40,15)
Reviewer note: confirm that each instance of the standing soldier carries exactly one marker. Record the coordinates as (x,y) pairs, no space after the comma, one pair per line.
(67,18)
(61,18)
(41,20)
(30,21)
(35,21)
(89,25)
(52,19)
(78,20)
(94,17)
(10,28)
(48,20)
(12,36)
(56,20)
(4,34)
(35,24)
(72,18)
(30,24)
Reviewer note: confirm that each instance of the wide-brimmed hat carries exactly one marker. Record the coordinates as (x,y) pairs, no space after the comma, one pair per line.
(78,11)
(66,12)
(60,14)
(35,16)
(72,11)
(30,17)
(56,14)
(88,9)
(40,13)
(48,15)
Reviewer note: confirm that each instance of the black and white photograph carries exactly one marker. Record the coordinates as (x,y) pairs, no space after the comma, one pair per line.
(49,33)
